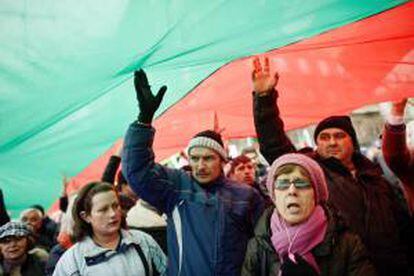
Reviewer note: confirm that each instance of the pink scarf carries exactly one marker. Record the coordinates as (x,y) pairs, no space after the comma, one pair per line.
(301,238)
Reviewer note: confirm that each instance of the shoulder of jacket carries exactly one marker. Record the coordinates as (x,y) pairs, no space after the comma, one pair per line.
(69,263)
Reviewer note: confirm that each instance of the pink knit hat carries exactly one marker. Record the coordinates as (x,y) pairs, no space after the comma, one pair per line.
(311,166)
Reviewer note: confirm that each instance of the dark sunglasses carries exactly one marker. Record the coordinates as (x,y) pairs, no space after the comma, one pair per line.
(283,184)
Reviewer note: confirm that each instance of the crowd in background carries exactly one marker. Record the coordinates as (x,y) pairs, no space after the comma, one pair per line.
(323,211)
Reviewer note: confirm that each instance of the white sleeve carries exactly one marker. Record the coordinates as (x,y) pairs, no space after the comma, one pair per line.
(66,265)
(155,253)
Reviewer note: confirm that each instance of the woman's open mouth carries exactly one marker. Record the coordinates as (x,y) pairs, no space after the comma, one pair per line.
(293,207)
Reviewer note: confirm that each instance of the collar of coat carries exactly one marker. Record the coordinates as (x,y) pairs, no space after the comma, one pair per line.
(91,250)
(336,225)
(364,166)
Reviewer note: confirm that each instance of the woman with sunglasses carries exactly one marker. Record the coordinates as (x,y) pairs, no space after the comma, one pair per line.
(103,244)
(301,235)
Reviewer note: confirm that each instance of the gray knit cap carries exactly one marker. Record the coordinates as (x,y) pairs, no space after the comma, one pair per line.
(208,139)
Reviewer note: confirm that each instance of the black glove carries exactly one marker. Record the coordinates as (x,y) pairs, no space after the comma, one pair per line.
(147,102)
(300,268)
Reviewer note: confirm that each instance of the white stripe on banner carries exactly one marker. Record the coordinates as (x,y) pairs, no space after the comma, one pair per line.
(178,231)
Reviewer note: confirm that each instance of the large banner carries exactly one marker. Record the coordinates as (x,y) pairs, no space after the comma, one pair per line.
(66,91)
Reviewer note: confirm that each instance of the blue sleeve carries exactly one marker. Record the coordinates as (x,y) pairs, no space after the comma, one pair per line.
(257,207)
(156,184)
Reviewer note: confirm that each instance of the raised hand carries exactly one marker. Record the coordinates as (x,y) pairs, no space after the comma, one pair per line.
(65,183)
(398,108)
(263,81)
(147,102)
(118,148)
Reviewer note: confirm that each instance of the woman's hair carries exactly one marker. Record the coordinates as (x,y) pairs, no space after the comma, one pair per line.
(67,222)
(288,168)
(83,203)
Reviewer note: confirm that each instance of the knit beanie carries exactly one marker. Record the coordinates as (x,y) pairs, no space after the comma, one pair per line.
(311,166)
(208,139)
(341,122)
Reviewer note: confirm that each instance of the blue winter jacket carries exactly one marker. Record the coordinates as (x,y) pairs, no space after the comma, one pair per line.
(207,228)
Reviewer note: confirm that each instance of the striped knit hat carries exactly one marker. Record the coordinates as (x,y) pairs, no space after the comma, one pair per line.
(208,139)
(311,166)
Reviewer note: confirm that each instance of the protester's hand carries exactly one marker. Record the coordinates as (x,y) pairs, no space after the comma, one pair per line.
(263,81)
(118,148)
(398,107)
(148,103)
(65,184)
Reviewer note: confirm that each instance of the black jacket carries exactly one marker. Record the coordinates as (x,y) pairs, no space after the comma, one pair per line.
(366,201)
(340,253)
(47,236)
(33,266)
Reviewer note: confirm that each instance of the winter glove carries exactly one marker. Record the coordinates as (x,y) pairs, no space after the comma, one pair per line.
(148,103)
(300,268)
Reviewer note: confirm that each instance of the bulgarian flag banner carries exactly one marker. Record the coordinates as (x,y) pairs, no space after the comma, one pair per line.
(67,96)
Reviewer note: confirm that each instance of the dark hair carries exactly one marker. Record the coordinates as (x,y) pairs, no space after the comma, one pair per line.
(120,179)
(83,203)
(288,168)
(241,159)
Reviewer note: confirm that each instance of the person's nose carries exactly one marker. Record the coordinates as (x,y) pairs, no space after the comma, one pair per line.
(112,212)
(292,189)
(201,164)
(332,141)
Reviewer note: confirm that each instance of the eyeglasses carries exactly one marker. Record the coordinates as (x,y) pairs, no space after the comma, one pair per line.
(284,184)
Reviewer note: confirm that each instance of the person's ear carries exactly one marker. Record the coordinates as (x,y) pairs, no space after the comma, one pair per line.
(84,216)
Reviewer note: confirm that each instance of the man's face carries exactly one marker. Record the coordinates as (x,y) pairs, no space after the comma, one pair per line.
(206,164)
(334,142)
(13,247)
(244,173)
(34,219)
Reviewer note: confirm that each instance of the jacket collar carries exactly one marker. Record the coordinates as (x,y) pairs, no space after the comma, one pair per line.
(363,165)
(91,249)
(335,225)
(212,186)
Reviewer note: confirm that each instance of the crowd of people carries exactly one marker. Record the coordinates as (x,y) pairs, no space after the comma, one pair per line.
(322,211)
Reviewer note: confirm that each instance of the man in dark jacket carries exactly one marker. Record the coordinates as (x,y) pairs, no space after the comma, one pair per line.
(358,190)
(242,170)
(210,218)
(44,230)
